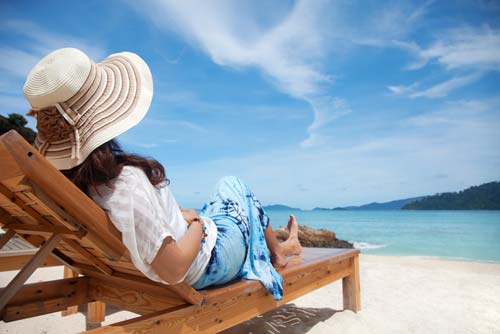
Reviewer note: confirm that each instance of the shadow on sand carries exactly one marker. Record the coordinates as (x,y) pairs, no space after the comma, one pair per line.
(287,319)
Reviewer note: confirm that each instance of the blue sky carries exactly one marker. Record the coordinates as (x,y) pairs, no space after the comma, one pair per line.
(313,103)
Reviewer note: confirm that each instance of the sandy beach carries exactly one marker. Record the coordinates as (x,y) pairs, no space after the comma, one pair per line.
(398,295)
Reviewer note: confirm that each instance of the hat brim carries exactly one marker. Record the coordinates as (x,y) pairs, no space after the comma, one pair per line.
(115,98)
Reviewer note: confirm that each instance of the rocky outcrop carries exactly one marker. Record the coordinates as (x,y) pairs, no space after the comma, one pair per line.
(310,237)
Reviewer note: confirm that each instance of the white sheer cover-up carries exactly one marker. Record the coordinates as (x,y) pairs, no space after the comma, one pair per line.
(146,215)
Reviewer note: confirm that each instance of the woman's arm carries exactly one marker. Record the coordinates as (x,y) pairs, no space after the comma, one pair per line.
(174,258)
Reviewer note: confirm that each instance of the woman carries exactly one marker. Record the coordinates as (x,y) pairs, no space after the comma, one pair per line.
(80,107)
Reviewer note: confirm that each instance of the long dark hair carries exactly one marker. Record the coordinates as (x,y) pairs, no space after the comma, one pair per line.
(106,162)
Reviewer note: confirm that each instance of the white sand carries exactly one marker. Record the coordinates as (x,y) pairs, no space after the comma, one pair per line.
(398,295)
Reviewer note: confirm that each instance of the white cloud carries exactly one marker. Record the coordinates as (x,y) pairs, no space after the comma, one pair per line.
(40,41)
(457,113)
(33,43)
(171,123)
(146,145)
(17,62)
(442,89)
(326,110)
(289,51)
(8,102)
(439,90)
(466,47)
(380,24)
(402,89)
(457,50)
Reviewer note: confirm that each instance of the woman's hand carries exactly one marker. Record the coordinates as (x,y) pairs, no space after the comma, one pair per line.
(189,214)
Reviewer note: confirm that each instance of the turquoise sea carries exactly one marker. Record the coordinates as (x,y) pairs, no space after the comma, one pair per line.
(465,235)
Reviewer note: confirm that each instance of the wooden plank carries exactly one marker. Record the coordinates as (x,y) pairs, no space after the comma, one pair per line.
(217,316)
(351,287)
(34,208)
(64,193)
(42,230)
(186,292)
(134,272)
(19,199)
(96,312)
(115,265)
(21,277)
(133,282)
(124,297)
(6,237)
(72,254)
(35,241)
(87,255)
(15,183)
(49,205)
(28,310)
(8,166)
(46,297)
(68,273)
(17,259)
(11,213)
(310,281)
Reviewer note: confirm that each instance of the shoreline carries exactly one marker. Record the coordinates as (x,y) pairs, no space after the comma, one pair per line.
(399,294)
(433,257)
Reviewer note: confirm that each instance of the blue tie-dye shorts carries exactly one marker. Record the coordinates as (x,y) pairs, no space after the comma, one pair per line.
(240,249)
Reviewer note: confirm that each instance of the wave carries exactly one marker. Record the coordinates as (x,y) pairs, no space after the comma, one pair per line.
(366,245)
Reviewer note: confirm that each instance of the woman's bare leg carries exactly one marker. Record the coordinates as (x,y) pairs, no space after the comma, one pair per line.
(290,246)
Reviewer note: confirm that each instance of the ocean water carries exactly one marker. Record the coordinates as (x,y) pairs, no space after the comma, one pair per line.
(465,235)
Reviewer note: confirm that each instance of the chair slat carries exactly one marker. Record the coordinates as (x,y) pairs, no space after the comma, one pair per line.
(89,256)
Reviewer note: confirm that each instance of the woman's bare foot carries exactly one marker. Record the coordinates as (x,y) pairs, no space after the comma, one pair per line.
(290,246)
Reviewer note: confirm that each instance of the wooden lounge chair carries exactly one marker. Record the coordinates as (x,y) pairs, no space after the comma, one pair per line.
(41,206)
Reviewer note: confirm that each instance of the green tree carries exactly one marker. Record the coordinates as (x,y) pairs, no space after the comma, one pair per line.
(17,122)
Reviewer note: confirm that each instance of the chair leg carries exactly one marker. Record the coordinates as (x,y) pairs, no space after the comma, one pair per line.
(96,312)
(68,273)
(350,287)
(17,282)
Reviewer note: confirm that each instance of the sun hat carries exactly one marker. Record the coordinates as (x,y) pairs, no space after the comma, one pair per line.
(79,104)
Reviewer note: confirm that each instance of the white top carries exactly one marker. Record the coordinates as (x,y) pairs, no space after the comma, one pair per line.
(146,215)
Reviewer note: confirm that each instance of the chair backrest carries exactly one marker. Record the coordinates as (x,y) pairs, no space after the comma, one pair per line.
(37,200)
(26,177)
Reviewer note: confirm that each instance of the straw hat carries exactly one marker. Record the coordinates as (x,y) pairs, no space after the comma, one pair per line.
(80,105)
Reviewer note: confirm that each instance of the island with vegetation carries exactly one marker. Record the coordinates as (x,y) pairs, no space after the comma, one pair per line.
(483,197)
(280,207)
(392,205)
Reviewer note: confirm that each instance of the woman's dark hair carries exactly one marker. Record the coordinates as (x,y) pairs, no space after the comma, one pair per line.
(106,162)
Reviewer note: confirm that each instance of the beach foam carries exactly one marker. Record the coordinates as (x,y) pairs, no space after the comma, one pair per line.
(366,245)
